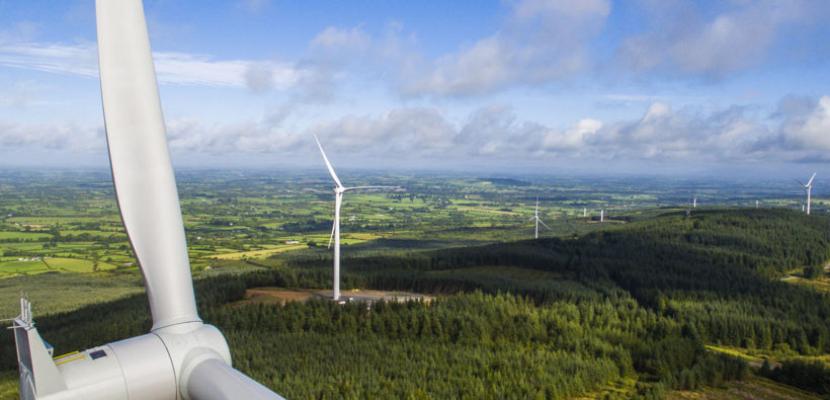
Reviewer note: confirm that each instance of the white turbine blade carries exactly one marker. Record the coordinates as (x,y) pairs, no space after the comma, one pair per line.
(331,237)
(810,182)
(328,164)
(214,380)
(545,225)
(141,170)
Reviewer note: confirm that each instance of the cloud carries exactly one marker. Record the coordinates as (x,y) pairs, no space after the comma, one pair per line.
(69,137)
(333,39)
(683,38)
(254,6)
(541,41)
(405,132)
(171,67)
(808,129)
(795,132)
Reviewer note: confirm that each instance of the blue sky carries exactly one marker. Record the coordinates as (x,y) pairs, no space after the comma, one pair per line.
(559,85)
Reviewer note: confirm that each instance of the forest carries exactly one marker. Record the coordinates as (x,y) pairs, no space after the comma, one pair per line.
(635,308)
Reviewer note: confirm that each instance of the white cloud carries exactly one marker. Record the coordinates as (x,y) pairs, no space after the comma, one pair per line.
(337,39)
(685,38)
(809,130)
(402,132)
(572,139)
(542,40)
(69,137)
(171,67)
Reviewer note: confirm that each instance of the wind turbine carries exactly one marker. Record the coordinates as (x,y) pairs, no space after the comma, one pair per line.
(808,187)
(694,202)
(181,357)
(339,190)
(584,212)
(538,220)
(602,215)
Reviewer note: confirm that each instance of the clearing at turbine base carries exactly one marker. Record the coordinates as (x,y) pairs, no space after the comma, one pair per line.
(808,187)
(339,190)
(181,357)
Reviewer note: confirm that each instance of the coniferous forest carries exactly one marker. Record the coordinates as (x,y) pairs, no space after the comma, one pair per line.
(551,318)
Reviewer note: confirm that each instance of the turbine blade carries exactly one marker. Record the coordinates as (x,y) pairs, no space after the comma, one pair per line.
(331,237)
(214,380)
(810,182)
(142,174)
(545,225)
(328,164)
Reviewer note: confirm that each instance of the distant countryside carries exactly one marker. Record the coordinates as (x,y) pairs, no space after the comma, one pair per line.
(660,299)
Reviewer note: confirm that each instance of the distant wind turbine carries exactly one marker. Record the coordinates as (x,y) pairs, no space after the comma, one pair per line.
(808,187)
(584,212)
(339,190)
(538,220)
(602,215)
(694,202)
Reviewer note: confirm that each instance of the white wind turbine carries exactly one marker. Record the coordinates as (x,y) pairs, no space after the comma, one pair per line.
(339,190)
(181,357)
(538,220)
(808,187)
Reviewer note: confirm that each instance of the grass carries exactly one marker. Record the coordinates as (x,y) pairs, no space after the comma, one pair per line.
(16,267)
(8,385)
(821,284)
(264,253)
(737,352)
(13,268)
(76,265)
(623,388)
(756,357)
(61,292)
(23,236)
(752,388)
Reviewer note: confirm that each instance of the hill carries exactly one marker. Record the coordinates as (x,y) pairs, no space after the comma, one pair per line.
(549,318)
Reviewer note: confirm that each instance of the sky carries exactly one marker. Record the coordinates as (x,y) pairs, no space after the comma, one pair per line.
(594,86)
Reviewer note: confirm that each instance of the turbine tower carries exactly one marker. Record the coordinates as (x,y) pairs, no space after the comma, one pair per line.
(339,190)
(808,187)
(538,220)
(584,212)
(181,357)
(602,215)
(694,202)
